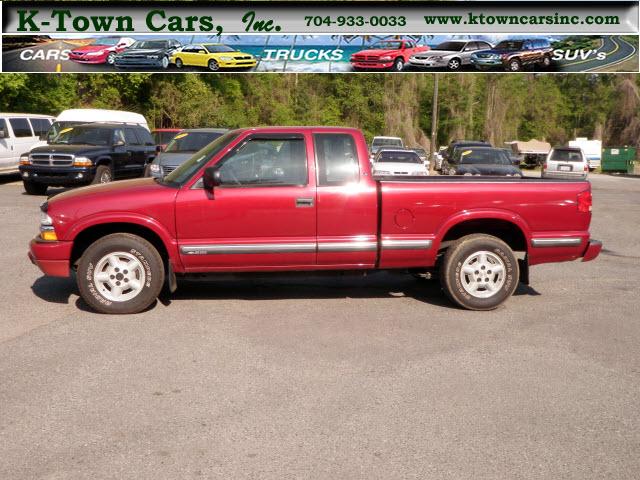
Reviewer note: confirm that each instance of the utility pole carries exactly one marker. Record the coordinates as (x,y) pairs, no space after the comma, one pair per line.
(434,125)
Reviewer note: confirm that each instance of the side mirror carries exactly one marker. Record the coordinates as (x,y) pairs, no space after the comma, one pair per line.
(3,134)
(210,178)
(159,148)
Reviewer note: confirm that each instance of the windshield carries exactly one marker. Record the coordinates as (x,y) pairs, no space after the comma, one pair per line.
(378,142)
(485,156)
(509,45)
(399,157)
(191,141)
(84,135)
(162,138)
(451,46)
(566,156)
(107,41)
(219,48)
(189,168)
(386,45)
(150,45)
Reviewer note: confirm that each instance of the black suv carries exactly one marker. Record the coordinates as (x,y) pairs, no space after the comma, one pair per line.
(88,153)
(147,54)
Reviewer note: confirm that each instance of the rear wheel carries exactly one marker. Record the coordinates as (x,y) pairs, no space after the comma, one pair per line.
(546,61)
(479,272)
(120,273)
(33,188)
(103,174)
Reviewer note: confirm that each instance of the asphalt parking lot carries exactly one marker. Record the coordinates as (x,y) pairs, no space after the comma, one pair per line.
(328,377)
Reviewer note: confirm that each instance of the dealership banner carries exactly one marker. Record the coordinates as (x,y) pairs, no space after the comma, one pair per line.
(331,37)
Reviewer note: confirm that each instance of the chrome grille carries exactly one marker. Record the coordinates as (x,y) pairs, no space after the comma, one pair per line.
(51,160)
(166,169)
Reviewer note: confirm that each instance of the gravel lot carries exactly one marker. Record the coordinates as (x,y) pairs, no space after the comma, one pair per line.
(327,377)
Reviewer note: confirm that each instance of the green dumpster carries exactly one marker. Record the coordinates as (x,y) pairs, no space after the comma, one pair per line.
(617,159)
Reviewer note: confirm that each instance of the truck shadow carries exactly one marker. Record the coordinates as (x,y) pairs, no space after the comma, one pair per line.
(277,287)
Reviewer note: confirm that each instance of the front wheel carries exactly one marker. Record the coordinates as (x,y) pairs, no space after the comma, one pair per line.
(165,63)
(103,174)
(111,58)
(179,63)
(398,65)
(213,66)
(120,273)
(33,188)
(454,64)
(479,272)
(514,65)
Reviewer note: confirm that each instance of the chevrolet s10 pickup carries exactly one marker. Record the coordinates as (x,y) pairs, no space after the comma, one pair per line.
(303,199)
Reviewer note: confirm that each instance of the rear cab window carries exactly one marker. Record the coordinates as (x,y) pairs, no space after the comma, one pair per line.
(336,159)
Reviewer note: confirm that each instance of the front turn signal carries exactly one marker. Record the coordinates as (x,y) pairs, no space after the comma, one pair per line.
(49,235)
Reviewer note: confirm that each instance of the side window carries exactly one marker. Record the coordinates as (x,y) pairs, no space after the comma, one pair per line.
(118,137)
(40,126)
(130,136)
(3,128)
(337,159)
(471,46)
(265,162)
(484,46)
(21,127)
(144,137)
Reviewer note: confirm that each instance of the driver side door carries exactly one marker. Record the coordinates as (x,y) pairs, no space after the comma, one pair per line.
(261,215)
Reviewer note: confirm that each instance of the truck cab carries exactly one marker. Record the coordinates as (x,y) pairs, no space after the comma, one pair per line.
(279,199)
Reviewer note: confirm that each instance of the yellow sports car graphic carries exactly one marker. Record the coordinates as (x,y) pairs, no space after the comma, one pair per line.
(214,56)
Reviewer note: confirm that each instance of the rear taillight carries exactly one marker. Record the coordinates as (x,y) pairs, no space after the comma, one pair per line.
(584,201)
(586,168)
(544,166)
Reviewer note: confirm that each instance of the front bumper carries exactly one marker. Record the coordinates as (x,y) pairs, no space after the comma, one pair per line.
(372,64)
(138,62)
(57,176)
(426,63)
(87,59)
(237,64)
(52,258)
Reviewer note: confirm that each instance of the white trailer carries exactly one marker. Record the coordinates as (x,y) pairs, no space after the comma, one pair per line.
(592,150)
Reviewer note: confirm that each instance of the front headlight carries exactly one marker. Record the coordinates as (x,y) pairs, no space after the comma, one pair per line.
(155,168)
(24,159)
(94,54)
(386,59)
(45,219)
(46,227)
(226,59)
(82,162)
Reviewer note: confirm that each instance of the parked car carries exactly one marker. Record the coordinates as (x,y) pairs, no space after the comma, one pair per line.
(438,157)
(181,148)
(513,158)
(481,161)
(451,55)
(162,136)
(147,54)
(89,153)
(214,56)
(566,162)
(101,50)
(513,55)
(300,212)
(19,133)
(386,55)
(424,156)
(384,142)
(455,145)
(398,162)
(79,116)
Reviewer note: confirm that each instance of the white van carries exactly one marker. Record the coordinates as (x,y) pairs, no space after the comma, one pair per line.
(19,133)
(77,116)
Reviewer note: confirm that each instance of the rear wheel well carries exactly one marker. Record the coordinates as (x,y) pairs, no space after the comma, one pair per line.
(85,238)
(506,231)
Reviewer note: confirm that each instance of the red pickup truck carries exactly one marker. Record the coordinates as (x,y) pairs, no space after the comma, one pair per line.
(386,55)
(303,199)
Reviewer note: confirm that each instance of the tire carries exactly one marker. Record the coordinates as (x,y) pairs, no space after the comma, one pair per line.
(213,66)
(179,63)
(103,175)
(546,62)
(33,188)
(514,65)
(398,65)
(108,286)
(454,64)
(111,58)
(479,253)
(164,63)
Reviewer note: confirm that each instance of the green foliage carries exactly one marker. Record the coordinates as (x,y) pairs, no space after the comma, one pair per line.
(495,107)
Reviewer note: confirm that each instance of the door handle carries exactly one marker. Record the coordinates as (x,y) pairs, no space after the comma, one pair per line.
(304,202)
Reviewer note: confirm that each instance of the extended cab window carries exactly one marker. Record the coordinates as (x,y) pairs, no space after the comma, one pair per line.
(266,161)
(3,127)
(21,127)
(40,126)
(337,158)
